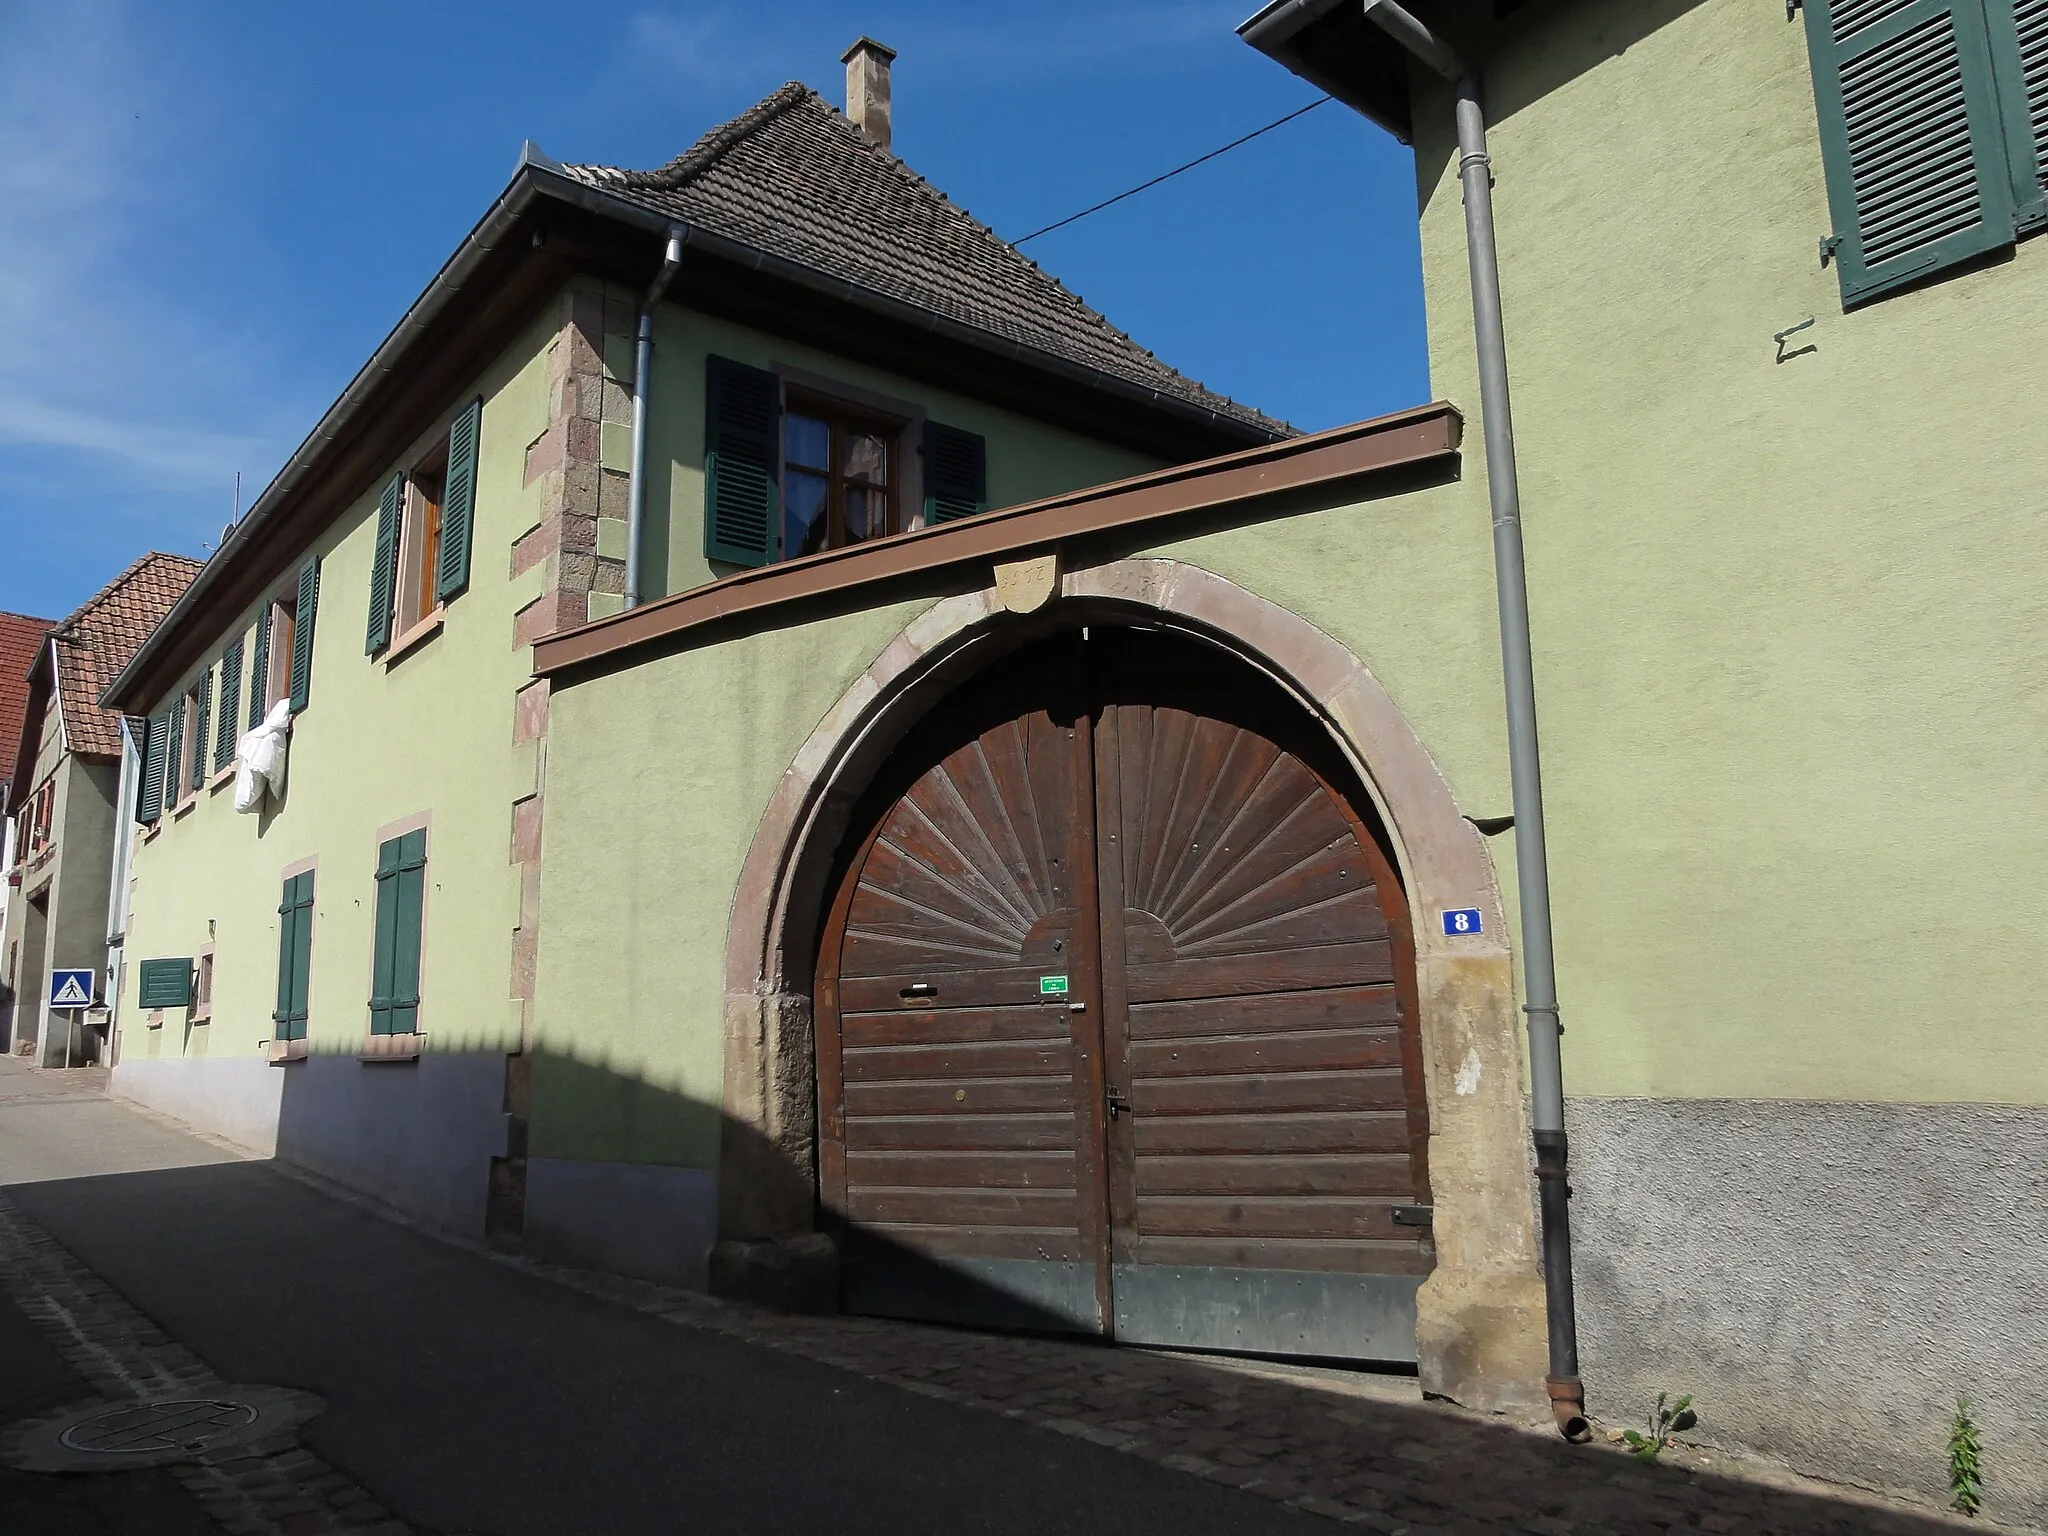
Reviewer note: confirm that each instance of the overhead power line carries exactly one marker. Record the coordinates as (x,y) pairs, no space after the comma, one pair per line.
(1278,122)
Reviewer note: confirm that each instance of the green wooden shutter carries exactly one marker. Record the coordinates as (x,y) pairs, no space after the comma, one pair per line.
(2019,58)
(202,717)
(955,473)
(294,957)
(230,693)
(458,502)
(149,796)
(174,758)
(259,673)
(395,968)
(742,447)
(302,633)
(384,565)
(1911,136)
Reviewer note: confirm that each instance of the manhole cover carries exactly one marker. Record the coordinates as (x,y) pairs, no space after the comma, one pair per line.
(150,1428)
(112,1437)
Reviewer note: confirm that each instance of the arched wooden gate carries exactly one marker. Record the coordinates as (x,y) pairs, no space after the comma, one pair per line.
(1116,1018)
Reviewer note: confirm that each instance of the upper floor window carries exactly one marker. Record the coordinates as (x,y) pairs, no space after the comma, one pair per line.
(1933,129)
(785,477)
(421,557)
(38,814)
(838,480)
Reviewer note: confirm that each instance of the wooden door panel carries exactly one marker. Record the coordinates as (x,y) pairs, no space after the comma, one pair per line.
(948,1026)
(1333,965)
(959,1109)
(1045,1131)
(1278,1133)
(1322,1050)
(1278,1173)
(1271,1012)
(1259,1093)
(1260,1028)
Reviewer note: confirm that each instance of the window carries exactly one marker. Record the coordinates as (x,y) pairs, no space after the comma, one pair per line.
(401,901)
(274,637)
(1934,131)
(421,559)
(784,479)
(202,988)
(838,477)
(294,957)
(40,810)
(230,696)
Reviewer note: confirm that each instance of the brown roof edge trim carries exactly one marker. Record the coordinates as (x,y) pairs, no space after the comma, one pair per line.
(1404,439)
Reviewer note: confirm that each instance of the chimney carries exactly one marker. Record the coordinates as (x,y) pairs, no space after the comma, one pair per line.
(867,87)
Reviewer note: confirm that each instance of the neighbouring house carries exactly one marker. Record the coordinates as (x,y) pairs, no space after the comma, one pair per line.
(62,804)
(623,385)
(1099,913)
(21,637)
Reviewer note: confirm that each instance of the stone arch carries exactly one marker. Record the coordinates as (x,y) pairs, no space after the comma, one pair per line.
(1480,1331)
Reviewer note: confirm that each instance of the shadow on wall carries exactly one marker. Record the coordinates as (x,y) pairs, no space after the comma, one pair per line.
(446,1139)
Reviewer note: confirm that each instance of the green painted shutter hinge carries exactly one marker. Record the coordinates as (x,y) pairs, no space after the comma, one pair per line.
(1828,247)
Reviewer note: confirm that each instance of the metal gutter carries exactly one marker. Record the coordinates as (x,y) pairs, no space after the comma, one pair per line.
(643,385)
(1273,29)
(476,247)
(615,205)
(1532,869)
(536,176)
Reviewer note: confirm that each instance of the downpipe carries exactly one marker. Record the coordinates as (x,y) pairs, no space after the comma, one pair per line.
(643,363)
(1532,868)
(1532,862)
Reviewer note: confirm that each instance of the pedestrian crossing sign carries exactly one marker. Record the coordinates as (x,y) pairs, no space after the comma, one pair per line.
(71,989)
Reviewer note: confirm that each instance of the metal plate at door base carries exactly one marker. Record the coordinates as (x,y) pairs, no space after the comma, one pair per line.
(1268,1311)
(1036,1296)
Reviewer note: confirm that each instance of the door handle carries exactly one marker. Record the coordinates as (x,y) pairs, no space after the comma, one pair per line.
(1118,1102)
(918,989)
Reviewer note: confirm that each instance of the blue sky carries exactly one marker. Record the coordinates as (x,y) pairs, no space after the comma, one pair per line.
(215,211)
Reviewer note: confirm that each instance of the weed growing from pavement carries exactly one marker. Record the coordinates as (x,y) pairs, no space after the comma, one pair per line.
(1667,1420)
(1965,1456)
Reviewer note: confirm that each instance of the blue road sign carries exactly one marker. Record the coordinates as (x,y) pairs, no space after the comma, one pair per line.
(1460,921)
(71,989)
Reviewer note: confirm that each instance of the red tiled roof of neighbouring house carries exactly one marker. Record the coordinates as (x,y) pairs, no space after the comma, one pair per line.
(20,638)
(795,179)
(95,643)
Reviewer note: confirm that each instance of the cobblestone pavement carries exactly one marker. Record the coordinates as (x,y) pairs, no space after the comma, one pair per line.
(1335,1444)
(1324,1442)
(268,1487)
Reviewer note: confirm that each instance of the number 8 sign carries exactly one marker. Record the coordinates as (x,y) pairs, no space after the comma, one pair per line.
(1460,921)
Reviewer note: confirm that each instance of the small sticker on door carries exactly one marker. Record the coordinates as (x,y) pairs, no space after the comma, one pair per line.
(1052,986)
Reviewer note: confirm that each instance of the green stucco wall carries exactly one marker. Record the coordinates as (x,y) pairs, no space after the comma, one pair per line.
(657,780)
(429,733)
(1787,616)
(1788,638)
(1026,459)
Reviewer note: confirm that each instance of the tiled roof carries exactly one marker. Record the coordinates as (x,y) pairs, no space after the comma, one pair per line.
(20,638)
(95,643)
(793,178)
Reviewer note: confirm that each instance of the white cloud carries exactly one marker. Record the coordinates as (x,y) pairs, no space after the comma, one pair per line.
(98,145)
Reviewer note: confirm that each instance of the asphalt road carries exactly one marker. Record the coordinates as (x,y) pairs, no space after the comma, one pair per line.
(471,1397)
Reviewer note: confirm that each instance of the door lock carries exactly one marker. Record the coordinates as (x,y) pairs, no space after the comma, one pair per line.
(1118,1102)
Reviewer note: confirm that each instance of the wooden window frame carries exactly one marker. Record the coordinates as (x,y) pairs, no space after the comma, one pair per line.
(901,422)
(181,771)
(277,661)
(416,608)
(202,986)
